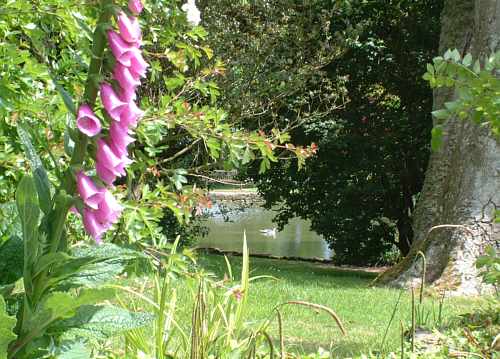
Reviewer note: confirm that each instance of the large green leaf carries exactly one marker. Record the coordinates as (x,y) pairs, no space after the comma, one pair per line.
(95,323)
(11,260)
(39,174)
(63,305)
(7,324)
(73,350)
(110,261)
(29,213)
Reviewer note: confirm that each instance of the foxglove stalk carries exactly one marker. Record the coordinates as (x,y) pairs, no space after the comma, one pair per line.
(87,122)
(135,6)
(112,103)
(130,30)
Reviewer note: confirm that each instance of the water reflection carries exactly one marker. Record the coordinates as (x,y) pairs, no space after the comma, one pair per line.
(295,240)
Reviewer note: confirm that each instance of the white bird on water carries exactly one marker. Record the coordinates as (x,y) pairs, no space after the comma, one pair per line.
(268,232)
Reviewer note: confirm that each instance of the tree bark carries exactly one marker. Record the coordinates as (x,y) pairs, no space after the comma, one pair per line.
(462,183)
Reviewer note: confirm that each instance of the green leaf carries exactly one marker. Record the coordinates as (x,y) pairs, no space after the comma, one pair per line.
(264,165)
(68,101)
(29,213)
(49,259)
(109,260)
(94,323)
(214,147)
(467,60)
(7,324)
(73,350)
(39,174)
(441,114)
(477,67)
(11,260)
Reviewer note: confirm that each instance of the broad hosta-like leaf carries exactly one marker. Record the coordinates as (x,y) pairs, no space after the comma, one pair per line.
(94,323)
(7,324)
(11,260)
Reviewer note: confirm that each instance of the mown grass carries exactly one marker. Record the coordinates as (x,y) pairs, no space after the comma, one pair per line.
(365,311)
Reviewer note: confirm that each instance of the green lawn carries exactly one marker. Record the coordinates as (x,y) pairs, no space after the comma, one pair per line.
(364,310)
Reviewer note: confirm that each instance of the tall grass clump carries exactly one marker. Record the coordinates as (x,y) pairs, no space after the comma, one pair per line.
(219,325)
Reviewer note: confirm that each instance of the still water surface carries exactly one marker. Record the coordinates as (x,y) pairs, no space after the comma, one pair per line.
(295,240)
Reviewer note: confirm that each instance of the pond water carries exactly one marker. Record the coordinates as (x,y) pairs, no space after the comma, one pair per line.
(295,240)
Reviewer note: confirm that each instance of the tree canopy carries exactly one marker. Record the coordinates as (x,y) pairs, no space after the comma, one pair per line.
(347,76)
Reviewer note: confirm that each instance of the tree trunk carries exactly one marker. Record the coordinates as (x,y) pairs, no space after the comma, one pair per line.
(462,184)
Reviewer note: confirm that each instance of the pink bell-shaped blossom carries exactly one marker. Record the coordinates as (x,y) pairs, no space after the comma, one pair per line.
(135,6)
(112,103)
(131,116)
(89,192)
(119,139)
(87,122)
(138,65)
(104,174)
(127,82)
(130,30)
(109,159)
(122,50)
(92,226)
(109,210)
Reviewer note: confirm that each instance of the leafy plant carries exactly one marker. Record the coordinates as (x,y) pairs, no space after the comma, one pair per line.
(219,327)
(489,263)
(476,87)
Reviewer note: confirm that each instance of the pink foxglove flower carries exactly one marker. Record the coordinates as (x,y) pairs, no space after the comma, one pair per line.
(104,174)
(122,50)
(109,210)
(130,30)
(87,122)
(112,103)
(135,6)
(119,139)
(89,192)
(138,66)
(192,12)
(131,116)
(127,82)
(110,160)
(93,226)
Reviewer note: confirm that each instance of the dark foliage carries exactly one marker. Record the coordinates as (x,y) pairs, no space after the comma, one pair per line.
(359,191)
